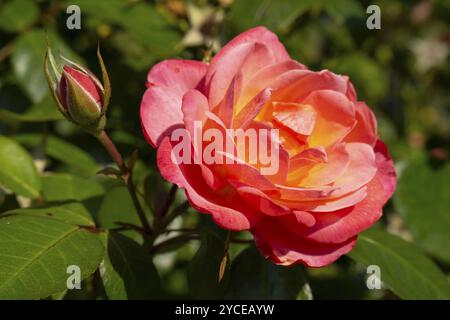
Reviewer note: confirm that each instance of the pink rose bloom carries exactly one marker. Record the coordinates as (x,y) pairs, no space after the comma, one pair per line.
(333,173)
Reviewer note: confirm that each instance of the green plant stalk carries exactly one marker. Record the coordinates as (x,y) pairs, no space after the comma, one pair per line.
(127,177)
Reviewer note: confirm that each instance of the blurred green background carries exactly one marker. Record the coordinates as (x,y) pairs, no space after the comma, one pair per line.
(402,71)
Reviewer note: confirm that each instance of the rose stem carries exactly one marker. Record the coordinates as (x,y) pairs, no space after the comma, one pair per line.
(127,177)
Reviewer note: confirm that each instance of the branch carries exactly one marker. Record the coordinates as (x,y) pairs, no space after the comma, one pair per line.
(127,177)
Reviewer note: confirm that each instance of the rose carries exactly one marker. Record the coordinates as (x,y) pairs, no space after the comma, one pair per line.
(80,96)
(334,173)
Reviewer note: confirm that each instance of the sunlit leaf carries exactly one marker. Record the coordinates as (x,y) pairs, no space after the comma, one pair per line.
(36,251)
(404,268)
(61,187)
(61,150)
(423,200)
(70,212)
(45,110)
(117,206)
(277,15)
(16,15)
(17,170)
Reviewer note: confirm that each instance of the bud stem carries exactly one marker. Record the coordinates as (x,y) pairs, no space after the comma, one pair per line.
(127,177)
(112,150)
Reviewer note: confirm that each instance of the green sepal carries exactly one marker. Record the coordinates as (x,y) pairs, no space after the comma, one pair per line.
(53,75)
(96,127)
(106,82)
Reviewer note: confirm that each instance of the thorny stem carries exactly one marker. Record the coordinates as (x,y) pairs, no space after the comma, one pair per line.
(127,177)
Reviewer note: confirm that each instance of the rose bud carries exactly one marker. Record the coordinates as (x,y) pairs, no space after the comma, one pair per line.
(80,96)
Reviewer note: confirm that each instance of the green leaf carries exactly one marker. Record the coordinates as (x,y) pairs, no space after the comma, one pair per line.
(145,34)
(28,61)
(35,252)
(280,15)
(117,206)
(61,187)
(2,196)
(46,110)
(128,271)
(17,170)
(343,9)
(71,155)
(16,15)
(71,213)
(275,15)
(203,271)
(59,295)
(422,198)
(61,150)
(404,269)
(346,281)
(253,277)
(150,28)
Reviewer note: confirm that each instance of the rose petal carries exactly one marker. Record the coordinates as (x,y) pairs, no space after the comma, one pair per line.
(194,108)
(225,209)
(360,170)
(302,194)
(296,85)
(160,109)
(272,158)
(283,247)
(178,75)
(300,118)
(324,204)
(366,126)
(306,172)
(335,117)
(84,81)
(305,218)
(386,170)
(238,170)
(264,78)
(251,109)
(350,199)
(340,225)
(259,200)
(225,110)
(249,52)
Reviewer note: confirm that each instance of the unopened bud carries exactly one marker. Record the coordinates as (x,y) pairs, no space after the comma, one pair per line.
(80,96)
